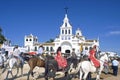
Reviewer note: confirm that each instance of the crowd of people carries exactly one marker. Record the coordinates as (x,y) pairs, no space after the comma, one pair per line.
(62,62)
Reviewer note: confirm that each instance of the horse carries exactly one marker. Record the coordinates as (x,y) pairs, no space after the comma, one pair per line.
(51,67)
(53,70)
(33,62)
(3,58)
(86,67)
(1,61)
(48,62)
(14,62)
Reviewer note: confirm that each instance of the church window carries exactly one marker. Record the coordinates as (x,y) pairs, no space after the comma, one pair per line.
(47,49)
(62,31)
(90,48)
(30,40)
(34,39)
(65,31)
(51,48)
(26,39)
(65,24)
(69,38)
(35,48)
(69,31)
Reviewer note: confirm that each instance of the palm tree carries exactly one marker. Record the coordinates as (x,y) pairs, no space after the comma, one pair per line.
(2,38)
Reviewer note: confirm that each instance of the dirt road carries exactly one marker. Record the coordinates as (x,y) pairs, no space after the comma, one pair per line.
(41,77)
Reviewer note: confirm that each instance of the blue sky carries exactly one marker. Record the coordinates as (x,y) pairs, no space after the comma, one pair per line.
(43,18)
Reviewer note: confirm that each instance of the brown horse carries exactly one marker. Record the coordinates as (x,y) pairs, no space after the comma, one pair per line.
(33,62)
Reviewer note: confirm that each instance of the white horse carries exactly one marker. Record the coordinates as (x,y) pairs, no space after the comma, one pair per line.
(13,61)
(1,60)
(87,66)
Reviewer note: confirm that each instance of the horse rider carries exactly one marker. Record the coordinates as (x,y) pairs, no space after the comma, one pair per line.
(92,57)
(62,62)
(16,53)
(40,51)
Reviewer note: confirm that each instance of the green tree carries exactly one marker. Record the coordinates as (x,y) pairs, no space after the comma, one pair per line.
(51,40)
(2,38)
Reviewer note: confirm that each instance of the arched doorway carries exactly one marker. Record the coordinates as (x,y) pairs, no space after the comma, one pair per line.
(67,51)
(66,47)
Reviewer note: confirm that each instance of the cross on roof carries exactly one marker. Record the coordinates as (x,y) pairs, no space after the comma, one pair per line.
(66,9)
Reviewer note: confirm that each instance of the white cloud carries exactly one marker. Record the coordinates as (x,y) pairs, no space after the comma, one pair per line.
(114,33)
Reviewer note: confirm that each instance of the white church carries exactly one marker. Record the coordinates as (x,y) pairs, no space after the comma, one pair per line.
(66,39)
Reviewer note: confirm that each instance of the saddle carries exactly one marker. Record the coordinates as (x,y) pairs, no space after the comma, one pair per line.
(18,60)
(16,57)
(41,58)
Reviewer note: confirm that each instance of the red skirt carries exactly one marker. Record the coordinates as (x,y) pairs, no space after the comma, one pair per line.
(62,62)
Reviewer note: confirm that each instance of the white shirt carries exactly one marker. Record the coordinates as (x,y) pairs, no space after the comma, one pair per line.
(40,50)
(16,52)
(115,63)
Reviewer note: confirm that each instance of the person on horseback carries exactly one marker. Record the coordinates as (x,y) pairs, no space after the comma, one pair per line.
(40,50)
(62,62)
(16,54)
(92,57)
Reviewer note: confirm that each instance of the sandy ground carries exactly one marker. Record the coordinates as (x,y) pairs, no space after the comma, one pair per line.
(41,77)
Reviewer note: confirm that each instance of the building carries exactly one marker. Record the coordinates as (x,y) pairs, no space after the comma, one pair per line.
(66,39)
(9,48)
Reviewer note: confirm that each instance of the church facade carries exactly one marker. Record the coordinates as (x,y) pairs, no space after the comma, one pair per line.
(66,39)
